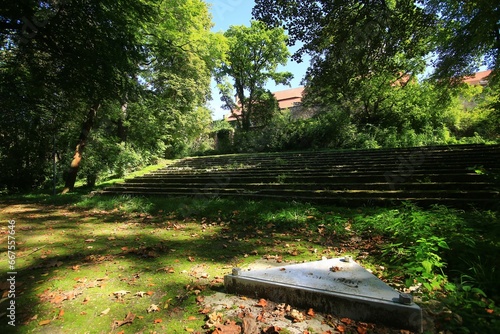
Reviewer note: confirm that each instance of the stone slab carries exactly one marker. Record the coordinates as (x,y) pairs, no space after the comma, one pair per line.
(338,286)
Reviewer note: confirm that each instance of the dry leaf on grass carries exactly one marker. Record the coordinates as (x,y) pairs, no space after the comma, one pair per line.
(121,293)
(153,308)
(106,311)
(128,320)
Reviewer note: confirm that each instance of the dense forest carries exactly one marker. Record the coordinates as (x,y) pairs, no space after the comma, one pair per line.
(94,88)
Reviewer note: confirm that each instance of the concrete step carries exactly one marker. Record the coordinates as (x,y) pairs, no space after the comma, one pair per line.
(314,186)
(438,174)
(320,178)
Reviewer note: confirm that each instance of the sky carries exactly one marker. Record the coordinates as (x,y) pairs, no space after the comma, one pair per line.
(226,13)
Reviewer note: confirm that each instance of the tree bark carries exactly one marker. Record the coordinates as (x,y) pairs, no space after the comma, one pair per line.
(82,142)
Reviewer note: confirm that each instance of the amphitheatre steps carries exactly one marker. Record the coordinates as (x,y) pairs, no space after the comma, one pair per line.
(455,175)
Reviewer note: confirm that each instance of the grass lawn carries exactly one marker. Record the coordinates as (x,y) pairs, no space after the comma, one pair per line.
(94,264)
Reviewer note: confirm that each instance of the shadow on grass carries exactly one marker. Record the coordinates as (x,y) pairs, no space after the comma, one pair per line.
(76,251)
(71,260)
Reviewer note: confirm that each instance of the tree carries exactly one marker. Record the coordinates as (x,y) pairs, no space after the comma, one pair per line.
(469,37)
(359,49)
(89,50)
(67,62)
(252,60)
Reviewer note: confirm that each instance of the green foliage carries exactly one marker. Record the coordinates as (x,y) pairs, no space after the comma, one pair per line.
(146,74)
(251,61)
(359,49)
(421,242)
(366,57)
(468,36)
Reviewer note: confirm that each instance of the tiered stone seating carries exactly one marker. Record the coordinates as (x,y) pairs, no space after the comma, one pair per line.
(457,175)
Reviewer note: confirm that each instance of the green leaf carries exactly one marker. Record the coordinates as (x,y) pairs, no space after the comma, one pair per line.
(478,291)
(427,266)
(443,244)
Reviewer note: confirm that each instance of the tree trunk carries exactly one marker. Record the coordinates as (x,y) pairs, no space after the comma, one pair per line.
(82,142)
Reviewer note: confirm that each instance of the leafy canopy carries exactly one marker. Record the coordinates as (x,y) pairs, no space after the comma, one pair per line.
(358,49)
(252,60)
(468,36)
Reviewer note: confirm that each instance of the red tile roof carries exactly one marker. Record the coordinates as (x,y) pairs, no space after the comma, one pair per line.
(477,78)
(286,99)
(289,97)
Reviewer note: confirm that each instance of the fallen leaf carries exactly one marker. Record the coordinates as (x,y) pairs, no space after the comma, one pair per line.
(106,311)
(296,315)
(346,321)
(214,319)
(90,240)
(150,293)
(120,293)
(61,313)
(489,311)
(229,327)
(311,313)
(167,303)
(111,238)
(140,293)
(153,308)
(157,321)
(191,259)
(341,328)
(128,320)
(262,303)
(44,322)
(362,330)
